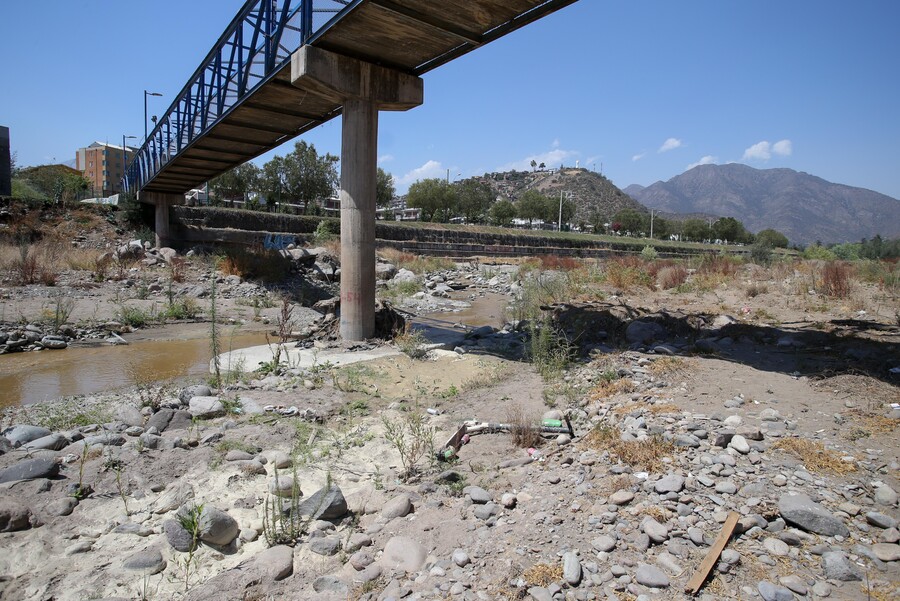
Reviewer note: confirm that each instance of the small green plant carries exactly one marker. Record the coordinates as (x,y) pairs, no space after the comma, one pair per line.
(135,317)
(411,343)
(190,520)
(186,308)
(285,525)
(214,332)
(412,437)
(62,308)
(547,349)
(648,253)
(117,466)
(81,491)
(326,231)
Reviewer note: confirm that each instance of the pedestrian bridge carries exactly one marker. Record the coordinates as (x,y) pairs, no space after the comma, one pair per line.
(281,68)
(242,101)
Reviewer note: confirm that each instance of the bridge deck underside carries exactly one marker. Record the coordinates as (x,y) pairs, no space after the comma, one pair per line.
(412,36)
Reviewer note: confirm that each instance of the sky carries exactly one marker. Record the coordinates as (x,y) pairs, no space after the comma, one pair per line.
(640,90)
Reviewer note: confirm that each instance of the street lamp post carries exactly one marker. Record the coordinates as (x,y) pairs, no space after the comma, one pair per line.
(125,153)
(146,93)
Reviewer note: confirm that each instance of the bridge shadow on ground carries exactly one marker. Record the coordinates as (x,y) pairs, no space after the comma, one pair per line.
(817,350)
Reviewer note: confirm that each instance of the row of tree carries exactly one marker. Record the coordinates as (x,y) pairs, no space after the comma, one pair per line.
(49,183)
(636,223)
(476,202)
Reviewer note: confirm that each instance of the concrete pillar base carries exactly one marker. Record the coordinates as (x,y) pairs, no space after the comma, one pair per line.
(362,89)
(162,202)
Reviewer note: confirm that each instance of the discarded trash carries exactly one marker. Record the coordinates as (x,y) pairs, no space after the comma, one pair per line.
(281,410)
(470,427)
(432,411)
(699,577)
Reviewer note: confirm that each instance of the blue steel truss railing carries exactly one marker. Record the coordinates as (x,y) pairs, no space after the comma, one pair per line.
(258,43)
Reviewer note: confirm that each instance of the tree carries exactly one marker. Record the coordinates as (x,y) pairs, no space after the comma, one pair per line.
(273,180)
(533,164)
(434,197)
(308,176)
(632,221)
(542,166)
(475,200)
(552,209)
(532,205)
(661,228)
(730,229)
(502,212)
(696,230)
(384,188)
(772,238)
(237,183)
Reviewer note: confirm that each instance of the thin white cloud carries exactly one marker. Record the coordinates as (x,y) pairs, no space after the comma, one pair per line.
(670,144)
(552,158)
(555,143)
(385,158)
(428,170)
(763,151)
(638,157)
(783,148)
(707,160)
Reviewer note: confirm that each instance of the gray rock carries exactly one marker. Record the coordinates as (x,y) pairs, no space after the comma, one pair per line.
(669,483)
(181,420)
(179,538)
(651,576)
(539,593)
(279,459)
(726,487)
(571,568)
(331,584)
(656,531)
(880,520)
(804,513)
(130,415)
(325,545)
(621,497)
(19,435)
(190,392)
(773,592)
(284,487)
(740,444)
(508,500)
(206,407)
(886,551)
(14,516)
(402,553)
(239,455)
(357,541)
(644,332)
(175,495)
(160,420)
(397,507)
(105,438)
(822,589)
(325,504)
(62,506)
(604,543)
(776,547)
(276,563)
(51,442)
(838,567)
(54,342)
(795,583)
(148,561)
(360,560)
(30,469)
(885,495)
(217,527)
(486,512)
(477,494)
(461,558)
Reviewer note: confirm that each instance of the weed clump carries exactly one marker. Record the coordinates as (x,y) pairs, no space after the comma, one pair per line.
(836,280)
(645,454)
(815,456)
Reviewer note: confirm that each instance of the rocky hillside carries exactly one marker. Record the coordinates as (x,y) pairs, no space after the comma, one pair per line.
(591,192)
(804,207)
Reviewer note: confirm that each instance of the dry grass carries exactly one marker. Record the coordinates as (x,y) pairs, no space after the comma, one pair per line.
(755,289)
(836,280)
(34,263)
(258,264)
(646,454)
(558,263)
(717,264)
(873,423)
(417,264)
(606,389)
(626,273)
(654,511)
(523,430)
(667,366)
(671,277)
(82,259)
(611,484)
(815,456)
(542,574)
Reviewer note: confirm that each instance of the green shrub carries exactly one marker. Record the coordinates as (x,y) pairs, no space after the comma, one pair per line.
(327,230)
(649,253)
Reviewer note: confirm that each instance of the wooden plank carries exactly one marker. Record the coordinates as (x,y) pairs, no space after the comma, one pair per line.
(699,577)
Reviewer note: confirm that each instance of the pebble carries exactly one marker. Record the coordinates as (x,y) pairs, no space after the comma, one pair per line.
(651,576)
(571,568)
(773,592)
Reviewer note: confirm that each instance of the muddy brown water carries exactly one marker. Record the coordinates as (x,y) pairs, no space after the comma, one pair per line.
(172,352)
(27,378)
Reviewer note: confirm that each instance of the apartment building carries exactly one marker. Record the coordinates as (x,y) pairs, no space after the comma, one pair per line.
(104,166)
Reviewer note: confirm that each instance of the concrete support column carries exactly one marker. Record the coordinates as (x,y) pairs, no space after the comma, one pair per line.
(361,89)
(162,202)
(359,150)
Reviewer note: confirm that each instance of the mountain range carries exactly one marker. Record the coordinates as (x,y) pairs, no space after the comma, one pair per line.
(803,207)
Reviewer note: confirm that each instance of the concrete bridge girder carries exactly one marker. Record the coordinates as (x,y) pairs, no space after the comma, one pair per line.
(362,89)
(162,201)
